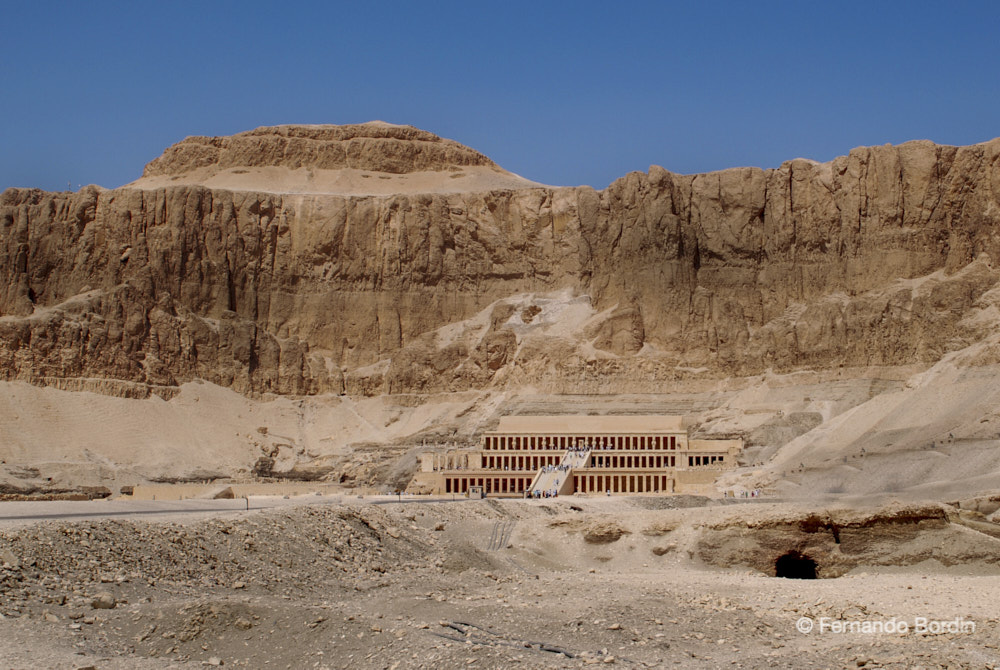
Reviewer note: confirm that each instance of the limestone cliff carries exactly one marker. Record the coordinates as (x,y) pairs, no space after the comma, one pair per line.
(872,259)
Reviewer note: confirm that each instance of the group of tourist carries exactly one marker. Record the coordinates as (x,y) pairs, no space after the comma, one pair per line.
(755,493)
(555,468)
(548,493)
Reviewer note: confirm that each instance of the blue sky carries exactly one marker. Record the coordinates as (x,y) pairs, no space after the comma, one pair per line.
(563,93)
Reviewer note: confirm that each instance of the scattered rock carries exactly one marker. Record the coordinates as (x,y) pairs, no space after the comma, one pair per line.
(603,532)
(103,601)
(9,559)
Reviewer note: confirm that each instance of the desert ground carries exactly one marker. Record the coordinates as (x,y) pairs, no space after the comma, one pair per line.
(342,582)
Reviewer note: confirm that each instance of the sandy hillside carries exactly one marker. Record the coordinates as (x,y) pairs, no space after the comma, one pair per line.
(204,432)
(344,182)
(884,432)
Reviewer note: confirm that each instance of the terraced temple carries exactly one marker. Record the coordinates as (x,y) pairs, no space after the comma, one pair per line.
(563,455)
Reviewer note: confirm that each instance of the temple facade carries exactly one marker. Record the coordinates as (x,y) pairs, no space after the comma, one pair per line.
(563,455)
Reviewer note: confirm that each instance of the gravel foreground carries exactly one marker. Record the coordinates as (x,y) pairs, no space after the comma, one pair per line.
(532,584)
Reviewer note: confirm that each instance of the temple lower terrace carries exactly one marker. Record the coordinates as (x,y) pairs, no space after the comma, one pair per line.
(545,456)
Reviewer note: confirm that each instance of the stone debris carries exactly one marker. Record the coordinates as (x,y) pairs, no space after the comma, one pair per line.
(103,601)
(330,587)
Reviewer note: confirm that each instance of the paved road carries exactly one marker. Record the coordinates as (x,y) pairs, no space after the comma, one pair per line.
(12,512)
(73,510)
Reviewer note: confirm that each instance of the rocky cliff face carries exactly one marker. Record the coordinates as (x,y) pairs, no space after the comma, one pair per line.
(881,257)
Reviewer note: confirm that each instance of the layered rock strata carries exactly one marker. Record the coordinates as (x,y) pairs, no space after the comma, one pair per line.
(885,256)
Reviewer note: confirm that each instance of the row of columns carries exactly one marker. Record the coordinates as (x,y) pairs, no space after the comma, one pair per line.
(513,462)
(645,461)
(562,442)
(451,461)
(624,483)
(507,484)
(705,460)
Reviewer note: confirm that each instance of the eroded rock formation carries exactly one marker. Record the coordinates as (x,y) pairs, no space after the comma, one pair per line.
(379,147)
(872,259)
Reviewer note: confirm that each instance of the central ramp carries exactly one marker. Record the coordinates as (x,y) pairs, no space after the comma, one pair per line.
(558,479)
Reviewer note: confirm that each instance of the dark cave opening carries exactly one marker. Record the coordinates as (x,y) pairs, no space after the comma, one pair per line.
(795,565)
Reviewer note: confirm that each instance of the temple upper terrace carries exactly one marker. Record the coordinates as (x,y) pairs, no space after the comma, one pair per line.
(596,432)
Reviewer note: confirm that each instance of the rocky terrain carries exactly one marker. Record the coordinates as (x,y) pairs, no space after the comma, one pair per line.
(377,287)
(589,581)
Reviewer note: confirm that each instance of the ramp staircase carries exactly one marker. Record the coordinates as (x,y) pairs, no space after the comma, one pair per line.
(556,479)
